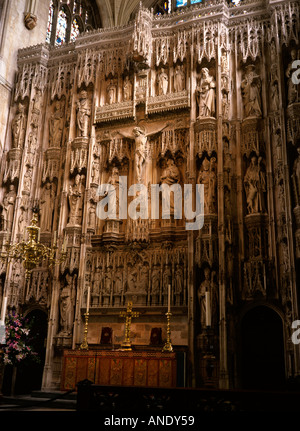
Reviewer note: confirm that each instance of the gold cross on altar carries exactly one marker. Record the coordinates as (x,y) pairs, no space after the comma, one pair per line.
(128,314)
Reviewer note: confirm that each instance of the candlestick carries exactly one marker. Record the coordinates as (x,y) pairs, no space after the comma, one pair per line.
(208,311)
(65,244)
(84,345)
(88,299)
(54,239)
(3,310)
(168,345)
(169,298)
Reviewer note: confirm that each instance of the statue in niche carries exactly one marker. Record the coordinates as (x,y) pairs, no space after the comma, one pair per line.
(207,176)
(155,282)
(132,280)
(292,93)
(224,62)
(92,216)
(208,285)
(37,100)
(66,306)
(205,93)
(274,96)
(107,284)
(179,79)
(163,82)
(140,138)
(56,124)
(83,113)
(178,283)
(296,177)
(27,179)
(47,207)
(95,174)
(42,295)
(18,127)
(170,175)
(251,92)
(95,293)
(111,91)
(76,194)
(10,206)
(114,195)
(255,186)
(118,283)
(144,277)
(22,221)
(127,89)
(225,106)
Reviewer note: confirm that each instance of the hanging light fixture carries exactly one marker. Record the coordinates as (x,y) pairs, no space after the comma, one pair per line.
(31,252)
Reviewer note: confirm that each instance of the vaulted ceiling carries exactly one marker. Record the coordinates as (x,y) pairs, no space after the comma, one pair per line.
(117,12)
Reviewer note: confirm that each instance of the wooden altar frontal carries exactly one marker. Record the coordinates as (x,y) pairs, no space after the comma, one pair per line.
(121,368)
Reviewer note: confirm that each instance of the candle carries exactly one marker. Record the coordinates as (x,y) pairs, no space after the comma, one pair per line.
(169,298)
(88,299)
(208,311)
(54,240)
(3,310)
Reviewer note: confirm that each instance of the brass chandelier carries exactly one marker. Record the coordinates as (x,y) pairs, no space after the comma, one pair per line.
(31,251)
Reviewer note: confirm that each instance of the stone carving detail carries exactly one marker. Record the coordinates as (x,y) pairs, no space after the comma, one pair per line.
(293,92)
(251,92)
(83,113)
(56,124)
(47,206)
(208,285)
(66,306)
(7,209)
(76,195)
(296,178)
(207,176)
(255,186)
(18,126)
(206,96)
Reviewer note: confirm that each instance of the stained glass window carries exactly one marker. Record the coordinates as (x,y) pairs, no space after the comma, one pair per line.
(195,1)
(180,3)
(68,18)
(50,22)
(236,2)
(74,30)
(61,29)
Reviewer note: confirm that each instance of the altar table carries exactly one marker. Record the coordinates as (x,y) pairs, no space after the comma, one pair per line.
(123,368)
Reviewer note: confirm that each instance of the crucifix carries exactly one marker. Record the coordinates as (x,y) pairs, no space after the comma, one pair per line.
(128,314)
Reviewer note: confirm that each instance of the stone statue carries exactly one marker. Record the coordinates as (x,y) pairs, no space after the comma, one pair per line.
(179,79)
(155,281)
(207,176)
(76,194)
(66,307)
(10,200)
(56,124)
(83,113)
(47,206)
(251,92)
(140,138)
(170,175)
(205,93)
(293,90)
(92,216)
(225,106)
(163,82)
(208,285)
(127,89)
(111,90)
(27,179)
(18,126)
(274,97)
(95,170)
(255,186)
(114,196)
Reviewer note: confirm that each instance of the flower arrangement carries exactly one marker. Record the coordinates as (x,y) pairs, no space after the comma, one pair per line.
(17,346)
